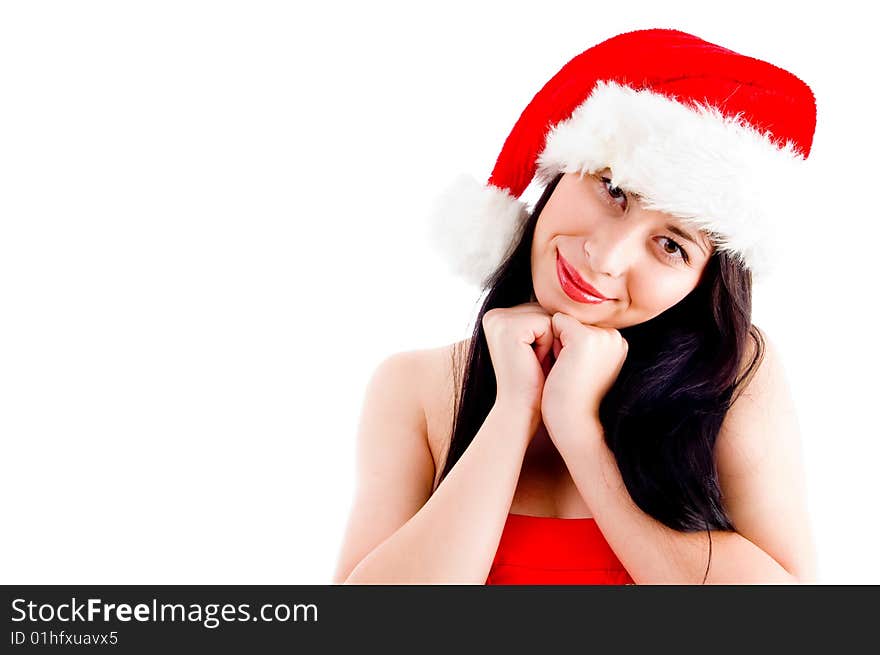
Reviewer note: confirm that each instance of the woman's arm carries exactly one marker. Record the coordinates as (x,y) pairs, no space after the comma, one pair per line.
(398,532)
(761,476)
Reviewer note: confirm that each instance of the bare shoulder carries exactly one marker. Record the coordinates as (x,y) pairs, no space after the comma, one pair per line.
(764,389)
(760,466)
(396,465)
(763,373)
(425,381)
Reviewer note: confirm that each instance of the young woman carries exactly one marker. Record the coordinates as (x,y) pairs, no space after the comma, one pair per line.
(615,417)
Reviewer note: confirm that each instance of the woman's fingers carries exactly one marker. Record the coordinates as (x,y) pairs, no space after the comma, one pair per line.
(543,333)
(557,346)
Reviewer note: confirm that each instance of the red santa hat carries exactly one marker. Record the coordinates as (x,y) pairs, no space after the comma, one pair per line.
(713,137)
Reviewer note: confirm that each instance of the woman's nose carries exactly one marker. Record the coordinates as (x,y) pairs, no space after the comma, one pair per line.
(613,252)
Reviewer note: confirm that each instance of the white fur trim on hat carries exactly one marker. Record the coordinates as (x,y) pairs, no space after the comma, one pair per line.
(715,172)
(474,226)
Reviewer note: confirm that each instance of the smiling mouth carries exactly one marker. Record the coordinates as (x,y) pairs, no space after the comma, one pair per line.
(574,286)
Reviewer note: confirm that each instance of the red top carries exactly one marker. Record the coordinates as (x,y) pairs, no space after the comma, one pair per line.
(544,550)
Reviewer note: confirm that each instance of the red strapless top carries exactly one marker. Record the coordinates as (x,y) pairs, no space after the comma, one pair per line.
(545,550)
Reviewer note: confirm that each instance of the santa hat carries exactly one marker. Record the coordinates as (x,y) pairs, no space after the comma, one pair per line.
(713,137)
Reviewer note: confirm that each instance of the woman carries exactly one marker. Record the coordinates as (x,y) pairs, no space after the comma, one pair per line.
(615,417)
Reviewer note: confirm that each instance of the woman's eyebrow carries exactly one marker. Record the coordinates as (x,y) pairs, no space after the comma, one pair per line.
(686,235)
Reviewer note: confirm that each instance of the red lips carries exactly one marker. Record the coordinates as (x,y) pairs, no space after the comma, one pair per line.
(574,285)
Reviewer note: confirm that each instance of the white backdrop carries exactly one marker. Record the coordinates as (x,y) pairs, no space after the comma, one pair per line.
(211,232)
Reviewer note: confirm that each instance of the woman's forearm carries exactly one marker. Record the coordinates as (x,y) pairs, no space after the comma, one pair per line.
(453,537)
(650,551)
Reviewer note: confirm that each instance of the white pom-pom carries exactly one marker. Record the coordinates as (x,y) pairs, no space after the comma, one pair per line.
(474,226)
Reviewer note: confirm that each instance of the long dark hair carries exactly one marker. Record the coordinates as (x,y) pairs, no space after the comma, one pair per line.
(662,415)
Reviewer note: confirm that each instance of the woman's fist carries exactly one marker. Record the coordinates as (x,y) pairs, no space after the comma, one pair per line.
(587,364)
(520,341)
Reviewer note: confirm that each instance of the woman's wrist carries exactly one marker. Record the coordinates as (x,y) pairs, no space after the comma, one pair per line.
(518,412)
(583,435)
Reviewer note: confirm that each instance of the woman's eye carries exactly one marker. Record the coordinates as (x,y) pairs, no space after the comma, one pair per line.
(616,193)
(673,250)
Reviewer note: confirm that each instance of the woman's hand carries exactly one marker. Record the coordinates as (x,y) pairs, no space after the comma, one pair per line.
(588,361)
(520,339)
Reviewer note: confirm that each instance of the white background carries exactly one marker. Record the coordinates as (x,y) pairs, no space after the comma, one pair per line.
(211,233)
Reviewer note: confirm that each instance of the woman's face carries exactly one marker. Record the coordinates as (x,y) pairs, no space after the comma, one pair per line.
(638,259)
